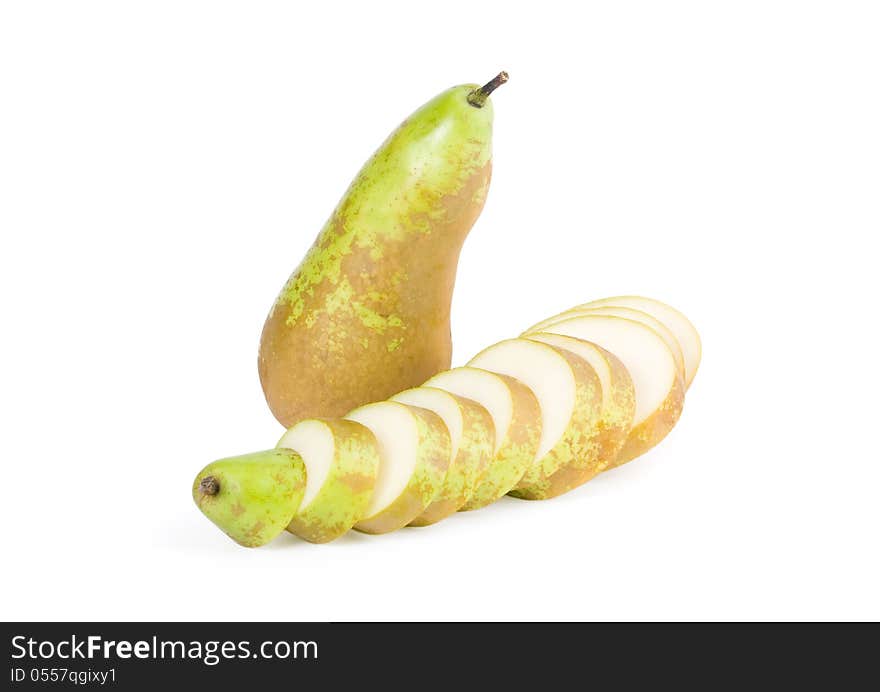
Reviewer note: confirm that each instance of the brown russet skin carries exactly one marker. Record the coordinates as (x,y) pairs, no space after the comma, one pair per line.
(338,361)
(652,430)
(367,313)
(618,412)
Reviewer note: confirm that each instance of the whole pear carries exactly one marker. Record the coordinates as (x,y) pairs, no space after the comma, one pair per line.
(252,497)
(366,313)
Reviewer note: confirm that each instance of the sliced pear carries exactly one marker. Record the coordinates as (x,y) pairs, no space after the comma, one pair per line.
(516,418)
(414,453)
(618,393)
(342,464)
(630,314)
(472,436)
(658,385)
(678,324)
(569,394)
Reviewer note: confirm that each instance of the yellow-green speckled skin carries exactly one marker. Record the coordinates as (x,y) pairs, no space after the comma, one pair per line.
(618,410)
(366,313)
(259,494)
(345,493)
(480,431)
(517,451)
(575,458)
(655,427)
(432,461)
(618,403)
(469,466)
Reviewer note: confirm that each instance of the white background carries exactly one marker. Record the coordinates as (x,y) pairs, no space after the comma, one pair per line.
(164,166)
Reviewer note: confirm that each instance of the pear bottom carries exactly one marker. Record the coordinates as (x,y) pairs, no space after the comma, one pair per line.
(252,498)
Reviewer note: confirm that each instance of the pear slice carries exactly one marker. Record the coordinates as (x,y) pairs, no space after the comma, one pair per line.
(516,418)
(472,436)
(630,314)
(342,464)
(414,453)
(678,324)
(618,393)
(658,385)
(569,394)
(252,497)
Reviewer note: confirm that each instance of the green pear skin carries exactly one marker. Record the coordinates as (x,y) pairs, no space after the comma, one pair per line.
(253,497)
(345,493)
(367,312)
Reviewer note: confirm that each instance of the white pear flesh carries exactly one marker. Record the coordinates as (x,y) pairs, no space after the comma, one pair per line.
(342,464)
(658,385)
(618,392)
(685,332)
(472,437)
(516,418)
(414,453)
(630,314)
(569,394)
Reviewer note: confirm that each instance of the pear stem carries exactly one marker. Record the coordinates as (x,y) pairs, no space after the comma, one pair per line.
(477,98)
(209,486)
